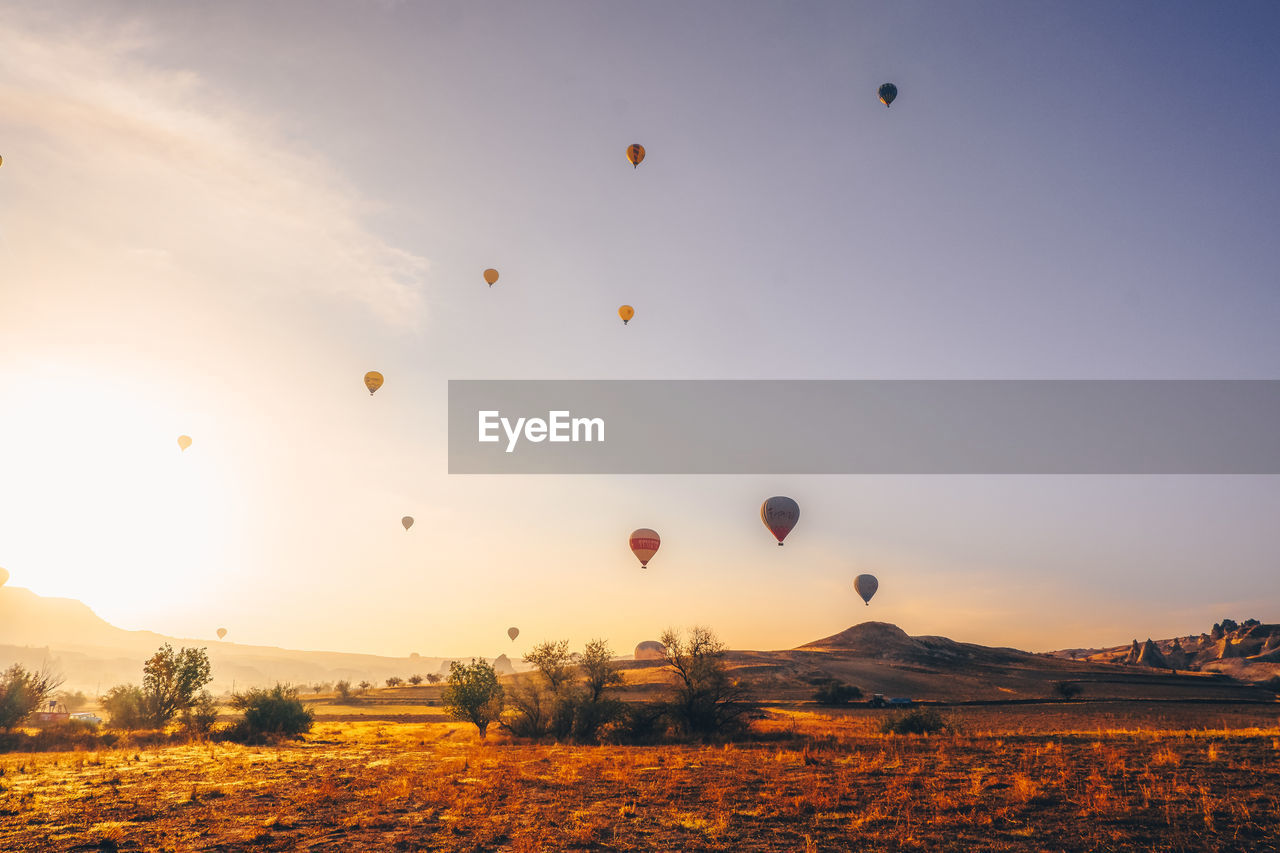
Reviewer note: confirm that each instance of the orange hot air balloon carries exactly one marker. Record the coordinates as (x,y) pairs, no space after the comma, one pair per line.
(644,544)
(184,441)
(626,312)
(372,381)
(222,632)
(491,276)
(779,514)
(635,154)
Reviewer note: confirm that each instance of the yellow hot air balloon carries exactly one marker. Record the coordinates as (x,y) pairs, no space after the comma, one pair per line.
(626,312)
(407,521)
(644,544)
(372,381)
(222,632)
(491,276)
(184,441)
(635,154)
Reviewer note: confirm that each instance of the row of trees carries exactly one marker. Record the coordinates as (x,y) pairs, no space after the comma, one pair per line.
(567,696)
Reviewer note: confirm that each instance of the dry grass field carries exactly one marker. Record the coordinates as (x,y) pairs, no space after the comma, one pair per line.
(1102,776)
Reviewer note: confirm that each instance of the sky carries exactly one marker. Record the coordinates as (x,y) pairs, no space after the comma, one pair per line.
(215,218)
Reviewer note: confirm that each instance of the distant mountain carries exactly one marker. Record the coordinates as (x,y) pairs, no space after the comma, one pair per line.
(1248,651)
(93,654)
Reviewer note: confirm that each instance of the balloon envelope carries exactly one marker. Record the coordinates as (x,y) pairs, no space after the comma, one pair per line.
(491,276)
(372,381)
(887,93)
(779,514)
(184,441)
(407,521)
(635,154)
(513,633)
(626,312)
(222,632)
(644,544)
(4,576)
(866,586)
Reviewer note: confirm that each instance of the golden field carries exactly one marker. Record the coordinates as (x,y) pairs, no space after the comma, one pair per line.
(1090,776)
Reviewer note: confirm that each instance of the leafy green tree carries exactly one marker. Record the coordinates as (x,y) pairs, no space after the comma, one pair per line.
(171,680)
(22,691)
(124,705)
(473,694)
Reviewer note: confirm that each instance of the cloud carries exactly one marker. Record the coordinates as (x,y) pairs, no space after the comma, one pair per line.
(120,171)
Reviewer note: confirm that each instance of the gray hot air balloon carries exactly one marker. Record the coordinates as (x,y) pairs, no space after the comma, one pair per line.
(866,586)
(779,514)
(887,93)
(407,521)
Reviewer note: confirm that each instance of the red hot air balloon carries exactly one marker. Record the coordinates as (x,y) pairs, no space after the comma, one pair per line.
(779,514)
(644,544)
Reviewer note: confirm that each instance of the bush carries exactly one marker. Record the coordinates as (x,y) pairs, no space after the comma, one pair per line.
(415,680)
(635,723)
(833,692)
(343,689)
(124,706)
(1068,689)
(199,718)
(270,714)
(473,694)
(705,700)
(921,721)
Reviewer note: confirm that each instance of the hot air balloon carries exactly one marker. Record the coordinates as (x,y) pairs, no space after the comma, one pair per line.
(626,312)
(1,161)
(184,441)
(635,154)
(222,632)
(407,521)
(4,576)
(887,93)
(866,586)
(779,514)
(372,381)
(644,544)
(513,633)
(491,276)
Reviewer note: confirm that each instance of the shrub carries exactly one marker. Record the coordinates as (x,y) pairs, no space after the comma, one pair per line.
(705,700)
(920,721)
(124,705)
(635,723)
(394,681)
(1068,689)
(198,719)
(270,714)
(834,692)
(415,680)
(343,689)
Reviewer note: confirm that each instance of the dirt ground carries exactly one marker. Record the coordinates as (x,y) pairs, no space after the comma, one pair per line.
(1072,778)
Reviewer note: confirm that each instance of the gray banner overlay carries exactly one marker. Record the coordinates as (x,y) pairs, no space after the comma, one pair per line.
(865,427)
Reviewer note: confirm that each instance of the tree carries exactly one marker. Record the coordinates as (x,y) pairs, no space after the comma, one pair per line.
(271,713)
(343,689)
(1068,689)
(74,701)
(473,694)
(433,678)
(597,665)
(364,687)
(705,701)
(170,681)
(415,679)
(124,705)
(394,681)
(552,659)
(22,691)
(198,719)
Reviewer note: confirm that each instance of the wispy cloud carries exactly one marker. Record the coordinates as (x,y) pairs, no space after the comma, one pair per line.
(113,160)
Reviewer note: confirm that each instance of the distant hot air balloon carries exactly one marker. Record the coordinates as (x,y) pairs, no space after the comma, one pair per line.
(644,544)
(513,633)
(222,632)
(626,312)
(372,381)
(1,161)
(4,576)
(866,586)
(407,521)
(635,154)
(184,441)
(887,93)
(491,276)
(779,514)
